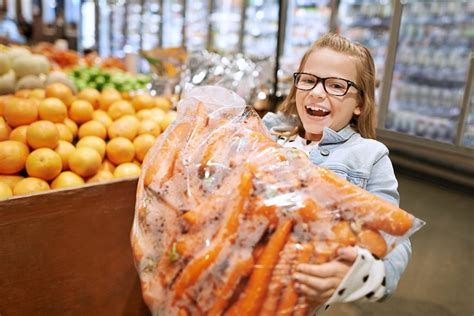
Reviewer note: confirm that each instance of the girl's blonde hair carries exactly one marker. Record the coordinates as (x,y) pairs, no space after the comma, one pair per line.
(366,121)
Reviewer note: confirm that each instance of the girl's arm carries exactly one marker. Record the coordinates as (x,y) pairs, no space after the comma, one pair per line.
(382,182)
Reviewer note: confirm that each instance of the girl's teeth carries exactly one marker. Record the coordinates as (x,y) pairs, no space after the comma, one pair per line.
(316,111)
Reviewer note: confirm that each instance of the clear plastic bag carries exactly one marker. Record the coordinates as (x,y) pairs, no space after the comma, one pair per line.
(224,214)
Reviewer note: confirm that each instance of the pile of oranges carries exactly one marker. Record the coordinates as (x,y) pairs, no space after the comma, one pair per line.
(51,139)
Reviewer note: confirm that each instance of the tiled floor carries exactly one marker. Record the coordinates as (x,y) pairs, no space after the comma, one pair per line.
(439,280)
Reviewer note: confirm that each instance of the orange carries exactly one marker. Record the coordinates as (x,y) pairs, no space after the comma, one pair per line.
(142,144)
(81,111)
(72,126)
(64,132)
(20,112)
(143,114)
(102,117)
(143,101)
(120,150)
(30,185)
(169,118)
(23,93)
(127,169)
(64,150)
(126,126)
(38,94)
(5,129)
(13,155)
(19,134)
(107,166)
(10,180)
(92,128)
(163,103)
(44,163)
(42,134)
(67,179)
(60,91)
(5,191)
(126,95)
(3,100)
(90,95)
(107,97)
(101,176)
(157,115)
(52,109)
(93,142)
(138,163)
(149,127)
(120,108)
(85,161)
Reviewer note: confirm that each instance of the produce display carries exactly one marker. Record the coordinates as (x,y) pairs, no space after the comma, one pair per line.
(223,214)
(51,138)
(84,76)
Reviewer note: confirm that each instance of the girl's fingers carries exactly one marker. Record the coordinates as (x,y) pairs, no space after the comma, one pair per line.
(313,295)
(318,284)
(306,290)
(348,254)
(324,270)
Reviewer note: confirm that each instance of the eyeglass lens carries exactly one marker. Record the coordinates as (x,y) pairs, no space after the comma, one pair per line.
(332,86)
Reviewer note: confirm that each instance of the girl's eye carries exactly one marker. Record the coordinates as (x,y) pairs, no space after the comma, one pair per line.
(336,85)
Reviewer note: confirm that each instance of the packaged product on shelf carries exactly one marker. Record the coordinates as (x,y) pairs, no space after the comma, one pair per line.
(250,80)
(224,214)
(167,65)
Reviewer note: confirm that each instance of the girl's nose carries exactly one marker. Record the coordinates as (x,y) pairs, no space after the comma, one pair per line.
(318,90)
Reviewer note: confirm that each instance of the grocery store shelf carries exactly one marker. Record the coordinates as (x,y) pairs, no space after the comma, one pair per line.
(439,160)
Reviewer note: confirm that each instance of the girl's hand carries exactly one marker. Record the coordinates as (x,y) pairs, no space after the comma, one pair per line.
(319,281)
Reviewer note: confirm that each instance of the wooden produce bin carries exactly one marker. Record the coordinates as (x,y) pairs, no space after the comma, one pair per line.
(68,252)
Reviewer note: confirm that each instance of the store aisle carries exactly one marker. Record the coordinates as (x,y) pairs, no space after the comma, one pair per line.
(439,280)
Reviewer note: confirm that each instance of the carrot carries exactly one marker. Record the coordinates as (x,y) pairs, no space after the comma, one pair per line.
(269,211)
(310,211)
(183,312)
(290,296)
(190,217)
(278,281)
(250,301)
(343,234)
(241,269)
(196,267)
(301,306)
(164,161)
(373,241)
(372,210)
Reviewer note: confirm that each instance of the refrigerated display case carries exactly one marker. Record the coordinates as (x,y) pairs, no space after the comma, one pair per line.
(367,22)
(173,23)
(87,38)
(133,25)
(424,111)
(71,22)
(117,26)
(261,28)
(197,24)
(305,21)
(468,139)
(226,20)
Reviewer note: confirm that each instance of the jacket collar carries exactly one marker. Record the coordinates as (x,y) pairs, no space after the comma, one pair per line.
(332,137)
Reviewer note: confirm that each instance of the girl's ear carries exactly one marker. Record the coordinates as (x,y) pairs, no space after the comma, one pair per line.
(357,110)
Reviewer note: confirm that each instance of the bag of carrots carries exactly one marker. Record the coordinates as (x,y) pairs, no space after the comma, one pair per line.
(224,214)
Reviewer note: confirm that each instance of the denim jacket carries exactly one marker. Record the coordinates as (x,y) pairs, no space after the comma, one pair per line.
(363,162)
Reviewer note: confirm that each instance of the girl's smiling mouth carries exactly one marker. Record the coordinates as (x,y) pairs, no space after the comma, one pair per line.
(314,110)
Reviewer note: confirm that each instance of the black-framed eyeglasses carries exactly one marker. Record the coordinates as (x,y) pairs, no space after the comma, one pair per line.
(332,85)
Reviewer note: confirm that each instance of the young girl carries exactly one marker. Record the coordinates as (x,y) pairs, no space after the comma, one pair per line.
(330,114)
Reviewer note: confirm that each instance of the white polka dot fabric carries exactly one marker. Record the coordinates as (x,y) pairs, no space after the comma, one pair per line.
(365,280)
